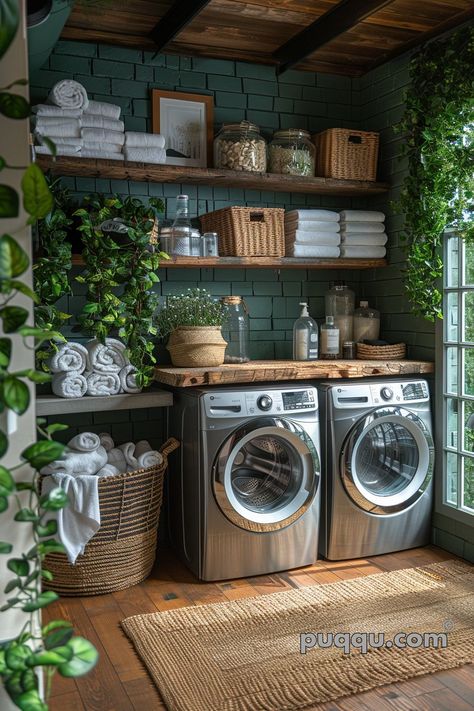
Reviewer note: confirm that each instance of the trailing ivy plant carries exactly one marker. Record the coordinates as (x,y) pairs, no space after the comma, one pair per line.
(120,272)
(438,192)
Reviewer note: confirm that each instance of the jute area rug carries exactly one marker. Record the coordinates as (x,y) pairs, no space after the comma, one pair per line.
(245,655)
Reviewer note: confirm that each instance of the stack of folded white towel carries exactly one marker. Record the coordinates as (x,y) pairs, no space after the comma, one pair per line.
(89,457)
(144,147)
(312,233)
(363,234)
(102,131)
(94,369)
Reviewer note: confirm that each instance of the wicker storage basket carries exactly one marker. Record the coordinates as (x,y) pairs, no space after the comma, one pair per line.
(122,552)
(392,352)
(197,346)
(346,154)
(247,231)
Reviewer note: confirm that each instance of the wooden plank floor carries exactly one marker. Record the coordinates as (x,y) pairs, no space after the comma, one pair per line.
(120,682)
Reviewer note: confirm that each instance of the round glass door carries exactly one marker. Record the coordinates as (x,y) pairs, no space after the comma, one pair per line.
(387,460)
(266,475)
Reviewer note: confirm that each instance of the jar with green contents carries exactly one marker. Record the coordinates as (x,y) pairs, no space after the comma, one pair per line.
(292,152)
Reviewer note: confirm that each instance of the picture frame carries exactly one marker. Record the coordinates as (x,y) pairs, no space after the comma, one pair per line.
(187,123)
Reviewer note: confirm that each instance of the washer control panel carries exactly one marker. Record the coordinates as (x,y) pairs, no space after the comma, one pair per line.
(364,395)
(224,404)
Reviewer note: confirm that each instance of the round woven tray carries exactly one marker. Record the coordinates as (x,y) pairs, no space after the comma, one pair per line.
(391,352)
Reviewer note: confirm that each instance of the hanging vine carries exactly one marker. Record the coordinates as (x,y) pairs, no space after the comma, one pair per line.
(438,192)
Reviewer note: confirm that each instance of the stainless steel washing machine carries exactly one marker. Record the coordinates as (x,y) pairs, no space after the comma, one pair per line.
(244,488)
(378,456)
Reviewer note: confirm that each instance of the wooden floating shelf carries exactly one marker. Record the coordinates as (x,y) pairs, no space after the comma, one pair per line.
(52,405)
(258,371)
(153,173)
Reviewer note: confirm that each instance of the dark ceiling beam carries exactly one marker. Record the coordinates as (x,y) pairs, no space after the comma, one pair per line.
(339,19)
(178,16)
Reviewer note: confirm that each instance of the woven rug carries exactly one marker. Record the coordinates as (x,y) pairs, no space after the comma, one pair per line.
(245,655)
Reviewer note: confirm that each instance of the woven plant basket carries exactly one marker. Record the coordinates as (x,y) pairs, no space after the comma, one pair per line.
(122,552)
(197,346)
(397,351)
(247,231)
(346,154)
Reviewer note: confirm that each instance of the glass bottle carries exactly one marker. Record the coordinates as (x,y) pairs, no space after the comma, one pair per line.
(339,302)
(366,323)
(181,229)
(236,330)
(329,340)
(305,336)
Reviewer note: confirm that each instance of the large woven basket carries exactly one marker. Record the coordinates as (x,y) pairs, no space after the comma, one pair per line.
(397,351)
(197,346)
(122,552)
(247,231)
(346,154)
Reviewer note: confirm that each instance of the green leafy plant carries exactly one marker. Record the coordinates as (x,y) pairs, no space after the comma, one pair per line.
(120,271)
(194,308)
(439,190)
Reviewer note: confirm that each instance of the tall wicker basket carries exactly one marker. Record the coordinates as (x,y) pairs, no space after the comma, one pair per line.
(122,552)
(247,231)
(346,154)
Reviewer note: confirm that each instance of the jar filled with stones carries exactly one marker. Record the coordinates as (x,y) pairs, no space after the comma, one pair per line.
(292,152)
(239,146)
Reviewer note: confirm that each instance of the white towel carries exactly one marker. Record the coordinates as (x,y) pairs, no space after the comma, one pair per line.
(70,357)
(108,357)
(77,522)
(128,451)
(69,385)
(135,139)
(311,225)
(106,441)
(55,111)
(323,238)
(62,150)
(311,250)
(355,239)
(367,227)
(85,442)
(146,456)
(363,252)
(362,216)
(103,108)
(116,457)
(102,384)
(304,215)
(145,155)
(73,462)
(108,470)
(69,94)
(128,379)
(95,121)
(102,135)
(68,128)
(101,155)
(63,141)
(101,147)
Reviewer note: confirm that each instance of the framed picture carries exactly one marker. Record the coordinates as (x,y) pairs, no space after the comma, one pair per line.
(186,122)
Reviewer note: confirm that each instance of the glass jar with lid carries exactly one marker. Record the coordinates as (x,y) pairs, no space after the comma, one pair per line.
(292,152)
(239,146)
(236,330)
(339,302)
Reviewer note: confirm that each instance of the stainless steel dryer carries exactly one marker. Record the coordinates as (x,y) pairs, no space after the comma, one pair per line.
(244,488)
(378,457)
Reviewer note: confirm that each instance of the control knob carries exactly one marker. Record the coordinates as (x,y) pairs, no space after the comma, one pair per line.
(264,402)
(386,394)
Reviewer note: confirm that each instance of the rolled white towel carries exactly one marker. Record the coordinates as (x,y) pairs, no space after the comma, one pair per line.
(69,385)
(102,147)
(146,456)
(128,379)
(55,111)
(362,216)
(68,128)
(116,457)
(330,239)
(68,358)
(77,463)
(363,252)
(69,94)
(85,442)
(102,135)
(102,383)
(311,225)
(96,121)
(103,108)
(106,441)
(303,215)
(145,155)
(355,239)
(128,451)
(61,150)
(101,155)
(312,250)
(367,227)
(108,470)
(136,139)
(108,357)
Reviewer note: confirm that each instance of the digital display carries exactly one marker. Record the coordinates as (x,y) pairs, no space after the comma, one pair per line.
(296,400)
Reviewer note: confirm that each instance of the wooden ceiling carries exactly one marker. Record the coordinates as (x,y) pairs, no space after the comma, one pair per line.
(347,37)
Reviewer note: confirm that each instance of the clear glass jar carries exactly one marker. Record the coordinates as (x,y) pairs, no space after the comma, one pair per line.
(236,330)
(329,340)
(292,152)
(339,302)
(180,245)
(366,323)
(239,146)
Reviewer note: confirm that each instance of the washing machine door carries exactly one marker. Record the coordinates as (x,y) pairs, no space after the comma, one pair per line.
(387,460)
(266,474)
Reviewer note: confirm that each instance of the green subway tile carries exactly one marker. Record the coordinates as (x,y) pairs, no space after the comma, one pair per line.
(86,185)
(143,73)
(260,274)
(311,108)
(220,83)
(193,80)
(333,81)
(290,91)
(81,65)
(255,71)
(261,350)
(253,195)
(154,60)
(173,288)
(262,103)
(232,275)
(110,416)
(124,102)
(291,288)
(135,123)
(185,63)
(255,86)
(183,275)
(222,115)
(75,49)
(205,192)
(141,107)
(259,306)
(214,66)
(155,189)
(314,93)
(283,324)
(166,77)
(241,288)
(230,99)
(283,350)
(221,193)
(107,68)
(237,194)
(282,104)
(216,288)
(293,121)
(260,324)
(102,186)
(95,85)
(267,335)
(267,288)
(291,76)
(293,275)
(120,54)
(123,87)
(172,61)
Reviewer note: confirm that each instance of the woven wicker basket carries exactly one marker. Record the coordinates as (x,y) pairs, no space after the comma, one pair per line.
(396,351)
(346,154)
(247,231)
(197,346)
(122,552)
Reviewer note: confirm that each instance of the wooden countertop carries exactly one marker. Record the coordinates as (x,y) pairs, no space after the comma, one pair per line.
(257,371)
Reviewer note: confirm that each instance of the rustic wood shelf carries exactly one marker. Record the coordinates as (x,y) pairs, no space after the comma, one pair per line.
(275,370)
(52,405)
(153,173)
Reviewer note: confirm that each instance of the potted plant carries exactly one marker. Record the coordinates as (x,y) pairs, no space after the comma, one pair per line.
(193,322)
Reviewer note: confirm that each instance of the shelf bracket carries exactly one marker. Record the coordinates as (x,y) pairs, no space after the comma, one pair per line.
(180,14)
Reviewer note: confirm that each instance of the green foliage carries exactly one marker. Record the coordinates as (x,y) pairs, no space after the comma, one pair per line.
(195,308)
(9,203)
(439,189)
(14,106)
(9,21)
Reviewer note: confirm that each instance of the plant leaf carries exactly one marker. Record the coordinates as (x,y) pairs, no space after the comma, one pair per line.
(57,638)
(16,656)
(55,500)
(51,657)
(30,701)
(5,352)
(19,566)
(9,20)
(16,394)
(3,444)
(37,198)
(84,658)
(55,625)
(49,529)
(13,258)
(42,453)
(14,106)
(7,483)
(13,317)
(45,598)
(9,201)
(5,547)
(3,503)
(26,515)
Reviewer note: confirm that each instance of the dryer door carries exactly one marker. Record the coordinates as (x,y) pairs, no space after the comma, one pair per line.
(387,460)
(266,474)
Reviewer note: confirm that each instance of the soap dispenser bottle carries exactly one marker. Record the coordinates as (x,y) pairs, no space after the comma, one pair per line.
(305,336)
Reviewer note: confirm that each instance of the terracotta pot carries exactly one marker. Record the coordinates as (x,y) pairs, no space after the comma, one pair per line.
(197,346)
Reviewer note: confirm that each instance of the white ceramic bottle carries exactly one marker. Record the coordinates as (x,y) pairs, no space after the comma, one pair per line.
(305,336)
